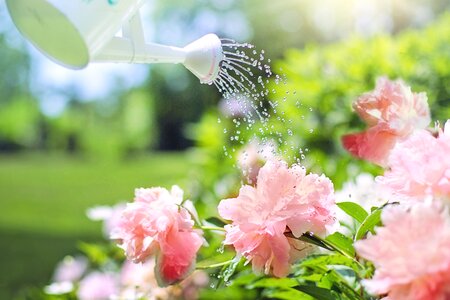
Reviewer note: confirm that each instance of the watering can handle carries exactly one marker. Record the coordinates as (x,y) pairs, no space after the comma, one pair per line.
(132,48)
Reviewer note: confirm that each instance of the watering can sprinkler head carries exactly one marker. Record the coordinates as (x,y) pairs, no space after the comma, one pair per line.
(76,32)
(203,57)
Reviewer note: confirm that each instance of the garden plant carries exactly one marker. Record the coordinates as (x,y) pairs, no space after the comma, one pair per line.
(352,202)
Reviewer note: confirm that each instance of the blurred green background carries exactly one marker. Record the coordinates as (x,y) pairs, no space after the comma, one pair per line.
(70,140)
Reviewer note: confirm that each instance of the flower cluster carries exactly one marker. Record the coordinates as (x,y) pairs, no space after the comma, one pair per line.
(285,200)
(411,251)
(392,112)
(156,224)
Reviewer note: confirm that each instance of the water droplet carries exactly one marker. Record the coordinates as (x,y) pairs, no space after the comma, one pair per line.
(221,249)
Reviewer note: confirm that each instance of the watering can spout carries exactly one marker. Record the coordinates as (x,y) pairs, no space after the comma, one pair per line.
(203,58)
(75,33)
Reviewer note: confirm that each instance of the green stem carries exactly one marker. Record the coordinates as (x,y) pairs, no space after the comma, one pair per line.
(221,264)
(212,228)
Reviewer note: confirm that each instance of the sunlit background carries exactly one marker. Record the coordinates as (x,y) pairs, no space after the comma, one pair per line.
(73,139)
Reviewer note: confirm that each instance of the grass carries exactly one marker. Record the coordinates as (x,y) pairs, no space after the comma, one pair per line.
(43,200)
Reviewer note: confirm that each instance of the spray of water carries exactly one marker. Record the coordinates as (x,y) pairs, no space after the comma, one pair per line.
(257,113)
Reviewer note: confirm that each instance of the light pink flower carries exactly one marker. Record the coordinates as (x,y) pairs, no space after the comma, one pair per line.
(253,156)
(284,200)
(155,224)
(419,167)
(392,112)
(138,281)
(411,253)
(70,269)
(98,286)
(110,215)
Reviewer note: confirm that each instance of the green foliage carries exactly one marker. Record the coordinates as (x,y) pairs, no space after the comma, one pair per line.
(341,242)
(354,210)
(369,224)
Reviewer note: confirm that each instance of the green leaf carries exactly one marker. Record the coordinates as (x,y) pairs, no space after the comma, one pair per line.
(331,260)
(244,279)
(287,294)
(354,210)
(341,242)
(274,283)
(317,292)
(369,224)
(96,253)
(216,221)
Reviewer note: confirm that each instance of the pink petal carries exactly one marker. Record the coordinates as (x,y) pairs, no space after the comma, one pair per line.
(373,145)
(177,257)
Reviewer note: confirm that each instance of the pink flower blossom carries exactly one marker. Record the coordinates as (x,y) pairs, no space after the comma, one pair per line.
(419,167)
(70,269)
(155,223)
(411,253)
(392,112)
(284,200)
(138,281)
(253,156)
(98,286)
(110,215)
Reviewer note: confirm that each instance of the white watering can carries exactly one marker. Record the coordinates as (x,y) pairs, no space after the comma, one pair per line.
(74,33)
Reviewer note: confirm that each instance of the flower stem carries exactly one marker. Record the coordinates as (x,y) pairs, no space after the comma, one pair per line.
(221,264)
(212,228)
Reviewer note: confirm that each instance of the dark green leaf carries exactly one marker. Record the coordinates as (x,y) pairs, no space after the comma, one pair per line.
(312,239)
(353,210)
(341,242)
(216,221)
(368,224)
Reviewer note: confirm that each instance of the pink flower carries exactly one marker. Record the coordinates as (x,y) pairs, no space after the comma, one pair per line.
(253,156)
(138,281)
(110,215)
(392,112)
(155,223)
(70,269)
(98,286)
(420,167)
(284,200)
(411,253)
